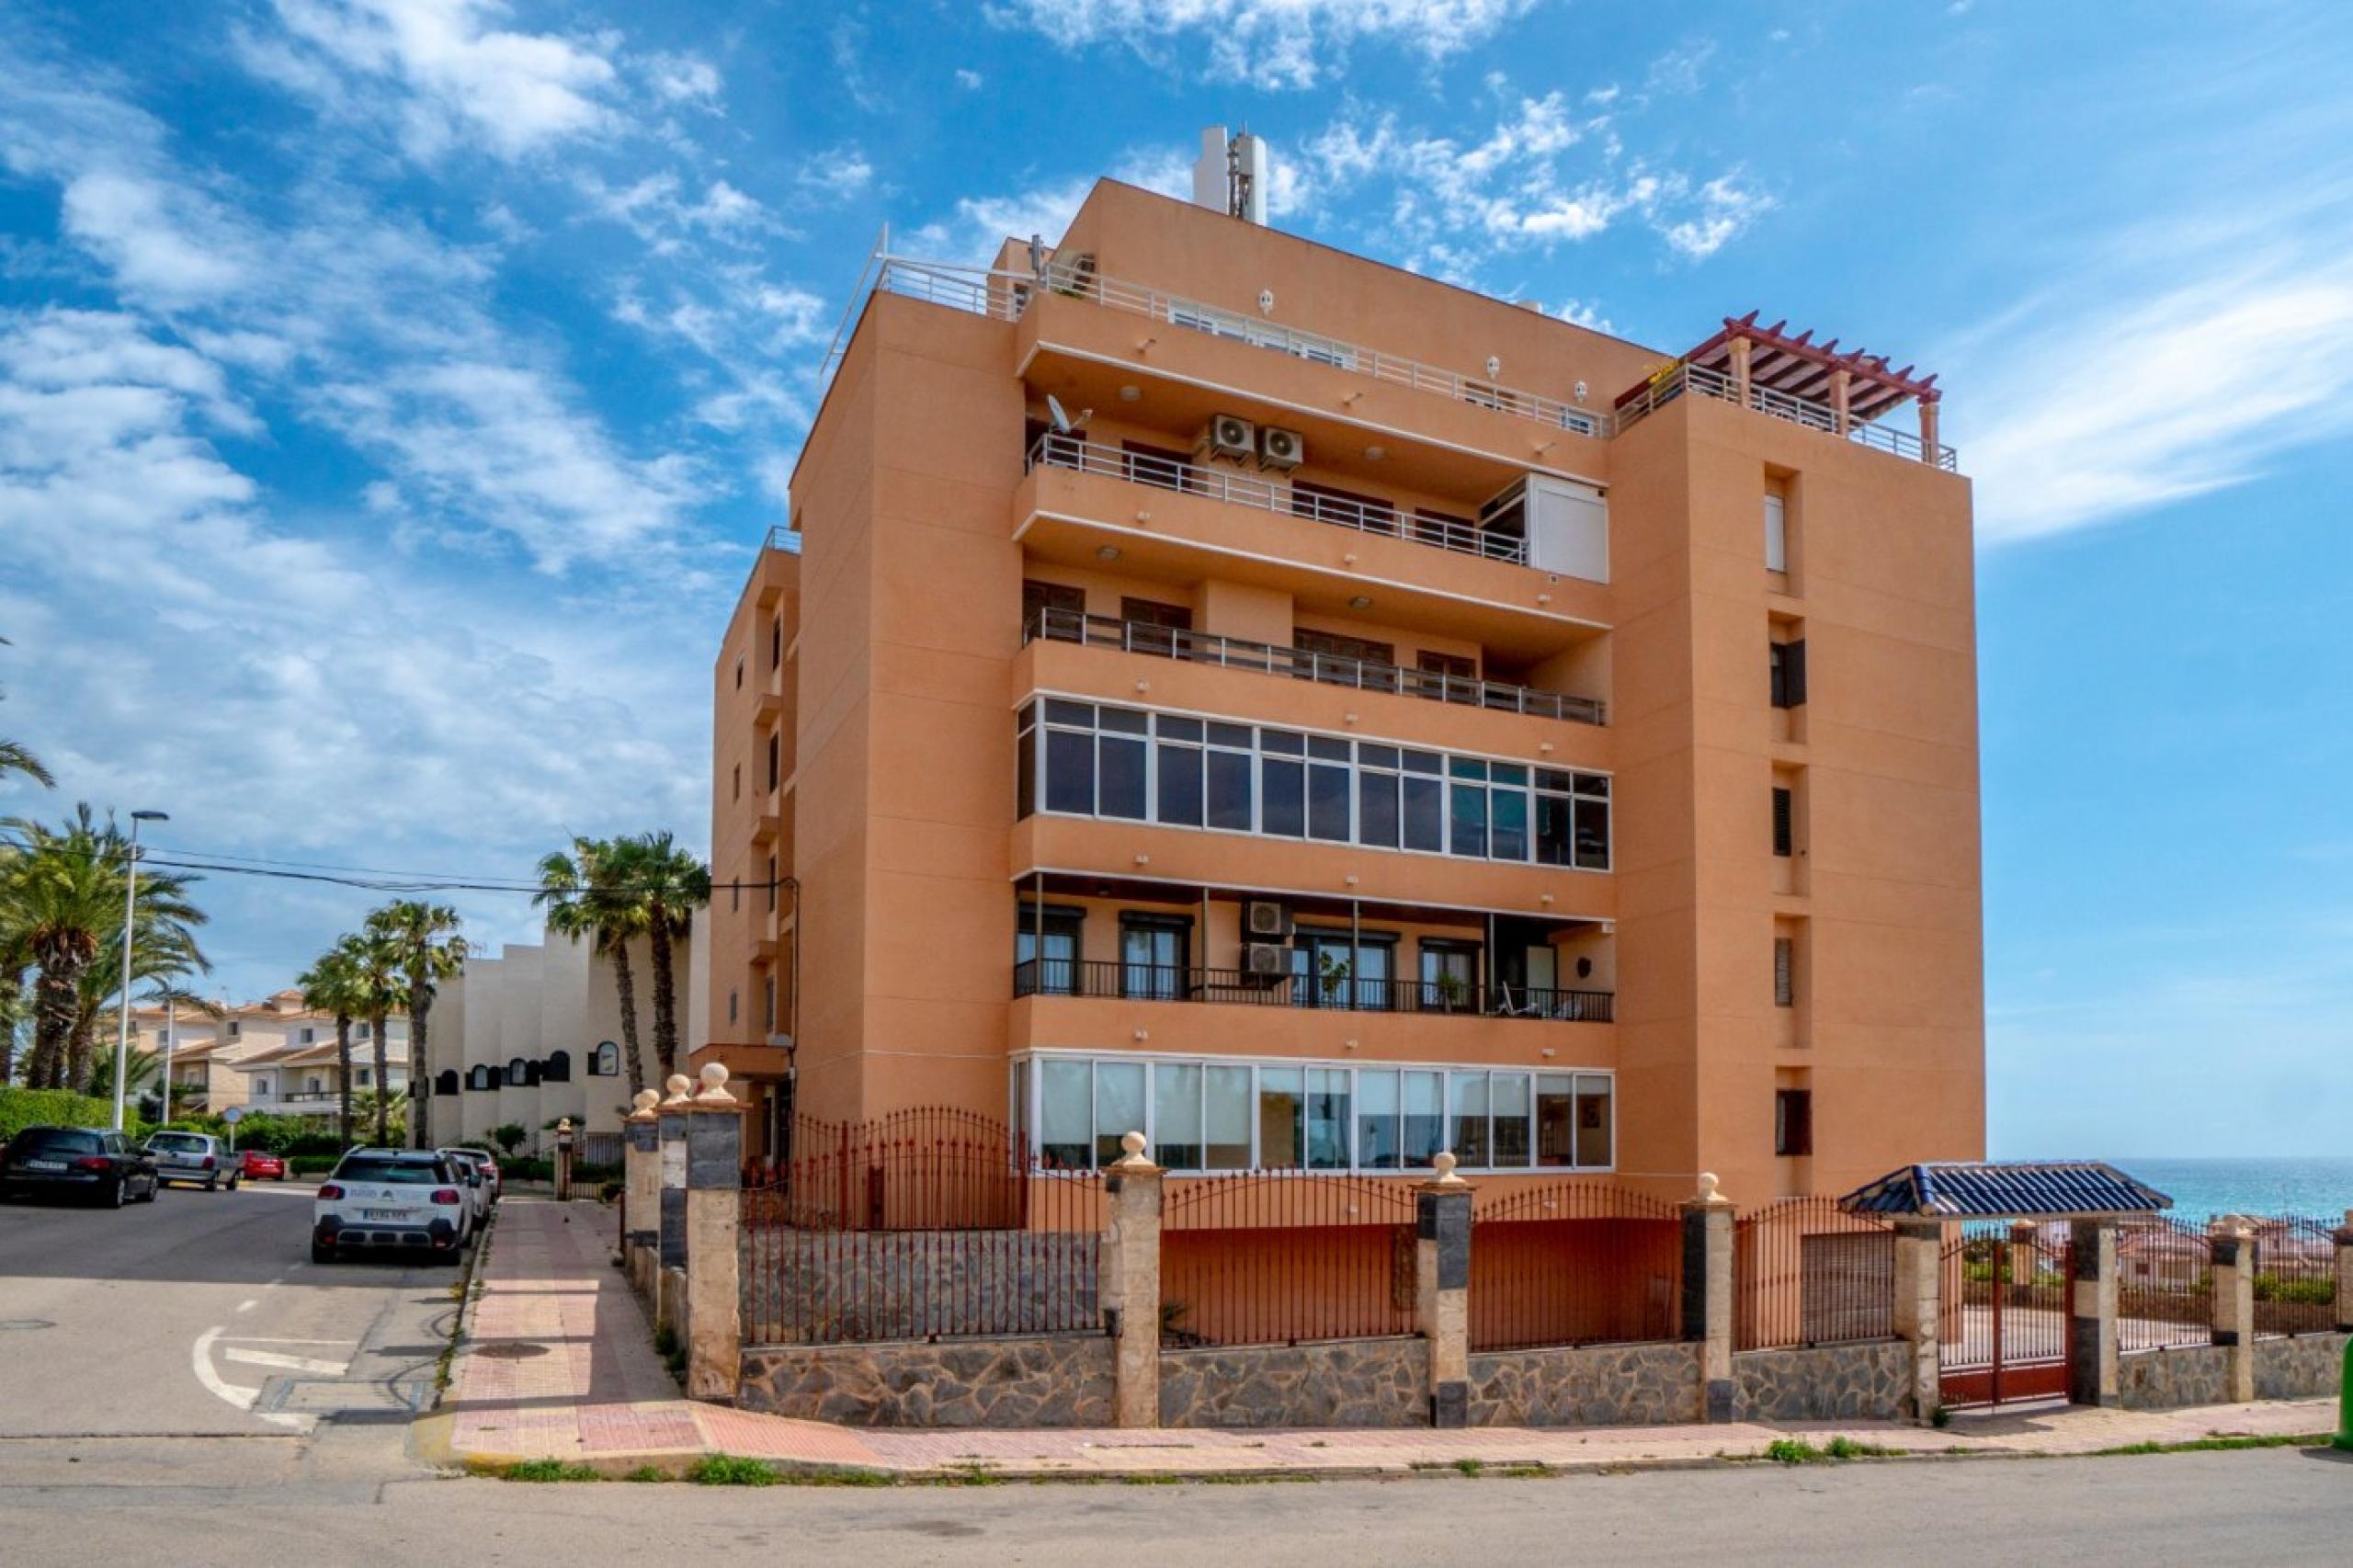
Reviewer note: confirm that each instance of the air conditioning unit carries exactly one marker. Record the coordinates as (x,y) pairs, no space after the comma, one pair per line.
(1264,920)
(1266,961)
(1229,437)
(1280,449)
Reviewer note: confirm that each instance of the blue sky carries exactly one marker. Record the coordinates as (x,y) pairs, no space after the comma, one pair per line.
(392,392)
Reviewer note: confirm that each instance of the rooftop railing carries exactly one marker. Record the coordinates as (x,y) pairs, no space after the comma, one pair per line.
(1054,450)
(1673,383)
(1302,663)
(1007,294)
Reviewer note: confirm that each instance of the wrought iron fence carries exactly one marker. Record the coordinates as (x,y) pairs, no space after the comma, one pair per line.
(1806,1272)
(2165,1284)
(1574,1263)
(2295,1276)
(927,1224)
(1281,1257)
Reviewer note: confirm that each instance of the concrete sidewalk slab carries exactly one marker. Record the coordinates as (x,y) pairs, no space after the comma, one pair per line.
(558,1363)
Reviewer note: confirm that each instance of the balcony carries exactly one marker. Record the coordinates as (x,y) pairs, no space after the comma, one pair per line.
(1300,664)
(1005,296)
(1054,450)
(1703,381)
(1102,979)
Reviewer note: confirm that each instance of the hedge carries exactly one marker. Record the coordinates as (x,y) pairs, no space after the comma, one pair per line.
(20,1109)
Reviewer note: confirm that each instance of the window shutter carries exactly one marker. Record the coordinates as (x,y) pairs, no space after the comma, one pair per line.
(1777,536)
(1782,835)
(1793,674)
(1784,981)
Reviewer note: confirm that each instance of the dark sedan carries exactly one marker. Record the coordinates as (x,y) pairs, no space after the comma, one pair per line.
(78,1161)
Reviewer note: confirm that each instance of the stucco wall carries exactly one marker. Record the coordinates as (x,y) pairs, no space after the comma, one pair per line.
(2303,1368)
(1602,1385)
(1341,1383)
(1064,1381)
(1828,1383)
(2167,1379)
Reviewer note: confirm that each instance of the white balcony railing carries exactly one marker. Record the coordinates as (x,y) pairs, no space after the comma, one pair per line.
(1672,383)
(1006,295)
(1248,489)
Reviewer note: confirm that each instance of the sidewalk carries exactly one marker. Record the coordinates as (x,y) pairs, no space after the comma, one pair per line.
(559,1363)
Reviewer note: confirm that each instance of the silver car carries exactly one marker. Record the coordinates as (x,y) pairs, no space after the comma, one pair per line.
(467,1164)
(194,1157)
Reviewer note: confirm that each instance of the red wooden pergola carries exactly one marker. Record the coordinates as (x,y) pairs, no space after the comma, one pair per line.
(1855,386)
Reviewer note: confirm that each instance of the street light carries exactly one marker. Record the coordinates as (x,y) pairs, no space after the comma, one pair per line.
(130,913)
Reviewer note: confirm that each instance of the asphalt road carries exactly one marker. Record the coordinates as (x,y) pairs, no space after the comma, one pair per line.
(2256,1508)
(202,1316)
(189,1389)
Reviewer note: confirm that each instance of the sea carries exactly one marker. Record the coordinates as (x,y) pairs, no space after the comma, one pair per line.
(2200,1190)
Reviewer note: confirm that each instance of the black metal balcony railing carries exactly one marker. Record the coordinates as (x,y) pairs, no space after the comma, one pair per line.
(1245,490)
(1169,983)
(1300,664)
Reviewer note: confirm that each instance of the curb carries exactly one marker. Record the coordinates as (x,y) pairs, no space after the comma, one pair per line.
(431,1435)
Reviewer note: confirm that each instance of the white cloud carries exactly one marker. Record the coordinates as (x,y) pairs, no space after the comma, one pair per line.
(447,73)
(1268,43)
(682,78)
(968,80)
(2084,409)
(1725,209)
(837,175)
(980,223)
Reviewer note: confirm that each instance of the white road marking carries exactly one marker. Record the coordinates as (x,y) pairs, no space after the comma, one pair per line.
(266,1339)
(286,1363)
(243,1398)
(249,1304)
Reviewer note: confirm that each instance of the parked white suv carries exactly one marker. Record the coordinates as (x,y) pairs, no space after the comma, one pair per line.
(468,1166)
(390,1198)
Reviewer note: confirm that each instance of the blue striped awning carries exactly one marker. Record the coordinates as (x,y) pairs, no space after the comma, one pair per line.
(2024,1189)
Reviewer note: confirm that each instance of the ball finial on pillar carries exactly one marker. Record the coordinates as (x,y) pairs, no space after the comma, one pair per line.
(641,1105)
(1443,1163)
(678,1085)
(714,1085)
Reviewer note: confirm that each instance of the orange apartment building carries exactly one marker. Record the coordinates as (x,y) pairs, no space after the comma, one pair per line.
(1318,715)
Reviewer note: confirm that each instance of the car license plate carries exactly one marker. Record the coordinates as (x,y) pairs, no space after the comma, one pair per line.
(44,1164)
(388,1214)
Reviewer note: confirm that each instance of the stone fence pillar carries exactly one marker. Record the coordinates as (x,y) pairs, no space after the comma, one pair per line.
(564,1160)
(641,1190)
(714,1192)
(1707,1295)
(670,1207)
(2230,1243)
(1128,1284)
(1442,1289)
(2343,1239)
(2091,1313)
(1919,1309)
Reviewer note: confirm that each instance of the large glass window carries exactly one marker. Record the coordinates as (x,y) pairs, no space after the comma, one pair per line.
(1119,1107)
(1065,1114)
(1282,1118)
(1177,1116)
(1088,759)
(1226,1116)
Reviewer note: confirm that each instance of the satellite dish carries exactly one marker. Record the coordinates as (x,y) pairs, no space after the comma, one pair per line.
(1054,409)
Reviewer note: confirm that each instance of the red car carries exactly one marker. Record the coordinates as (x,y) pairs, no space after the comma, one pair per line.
(260,1163)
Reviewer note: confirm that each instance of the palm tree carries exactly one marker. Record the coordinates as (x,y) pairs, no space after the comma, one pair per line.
(669,885)
(332,985)
(431,951)
(15,758)
(585,896)
(383,991)
(61,901)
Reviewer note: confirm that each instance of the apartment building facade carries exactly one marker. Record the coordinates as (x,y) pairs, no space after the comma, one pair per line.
(1316,715)
(532,1034)
(225,1056)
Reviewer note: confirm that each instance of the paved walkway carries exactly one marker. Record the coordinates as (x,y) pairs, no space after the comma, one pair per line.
(559,1363)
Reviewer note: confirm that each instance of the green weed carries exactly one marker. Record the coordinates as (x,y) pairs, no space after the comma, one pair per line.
(728,1470)
(550,1469)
